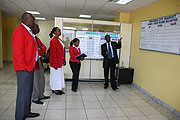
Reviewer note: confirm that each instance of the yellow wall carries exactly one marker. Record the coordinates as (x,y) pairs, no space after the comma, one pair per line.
(45,29)
(158,73)
(122,17)
(9,24)
(1,55)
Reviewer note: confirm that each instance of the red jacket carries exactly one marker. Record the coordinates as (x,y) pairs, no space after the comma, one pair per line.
(57,53)
(41,50)
(73,53)
(24,49)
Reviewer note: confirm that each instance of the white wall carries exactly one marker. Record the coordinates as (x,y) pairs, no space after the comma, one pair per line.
(92,69)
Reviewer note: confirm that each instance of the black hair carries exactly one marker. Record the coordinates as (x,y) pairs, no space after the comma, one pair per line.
(73,41)
(52,32)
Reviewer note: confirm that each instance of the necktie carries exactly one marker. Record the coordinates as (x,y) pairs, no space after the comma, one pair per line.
(109,52)
(34,38)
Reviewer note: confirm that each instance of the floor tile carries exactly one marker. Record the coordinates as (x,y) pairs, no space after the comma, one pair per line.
(114,112)
(55,114)
(131,111)
(93,104)
(56,105)
(110,104)
(95,113)
(74,105)
(75,114)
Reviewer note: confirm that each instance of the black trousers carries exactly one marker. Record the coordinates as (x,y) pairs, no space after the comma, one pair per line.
(75,67)
(111,66)
(24,93)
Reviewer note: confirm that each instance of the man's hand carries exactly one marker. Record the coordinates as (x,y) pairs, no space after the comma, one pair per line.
(120,39)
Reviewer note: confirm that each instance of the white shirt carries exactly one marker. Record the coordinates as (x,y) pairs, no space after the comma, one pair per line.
(30,31)
(110,47)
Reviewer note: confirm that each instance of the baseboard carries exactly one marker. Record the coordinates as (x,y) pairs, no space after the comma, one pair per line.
(87,80)
(157,100)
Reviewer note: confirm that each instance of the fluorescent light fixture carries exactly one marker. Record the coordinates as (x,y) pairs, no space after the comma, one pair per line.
(123,1)
(69,28)
(85,29)
(85,16)
(33,12)
(40,18)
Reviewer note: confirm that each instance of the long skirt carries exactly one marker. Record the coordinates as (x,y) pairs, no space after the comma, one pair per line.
(57,78)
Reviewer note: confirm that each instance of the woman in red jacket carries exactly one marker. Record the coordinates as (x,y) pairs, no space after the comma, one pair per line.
(75,64)
(57,62)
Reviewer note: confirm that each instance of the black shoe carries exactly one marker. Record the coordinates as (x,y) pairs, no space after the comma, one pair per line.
(45,97)
(105,87)
(74,90)
(115,89)
(56,92)
(38,102)
(32,115)
(61,92)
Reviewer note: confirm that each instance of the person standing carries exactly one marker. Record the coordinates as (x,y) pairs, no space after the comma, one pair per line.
(57,61)
(75,64)
(109,52)
(25,57)
(39,79)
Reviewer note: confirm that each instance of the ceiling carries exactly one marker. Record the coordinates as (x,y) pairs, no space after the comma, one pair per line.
(99,9)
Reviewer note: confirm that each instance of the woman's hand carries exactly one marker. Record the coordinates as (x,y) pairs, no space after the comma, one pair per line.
(55,68)
(64,63)
(82,58)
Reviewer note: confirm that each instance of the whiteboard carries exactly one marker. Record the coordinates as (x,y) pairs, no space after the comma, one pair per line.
(90,42)
(161,34)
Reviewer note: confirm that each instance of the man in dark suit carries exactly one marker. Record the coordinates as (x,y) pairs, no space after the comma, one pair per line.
(25,57)
(109,52)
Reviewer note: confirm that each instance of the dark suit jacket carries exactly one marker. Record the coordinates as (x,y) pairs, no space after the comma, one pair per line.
(104,52)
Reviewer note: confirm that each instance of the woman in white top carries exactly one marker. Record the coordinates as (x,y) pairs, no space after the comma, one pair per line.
(57,62)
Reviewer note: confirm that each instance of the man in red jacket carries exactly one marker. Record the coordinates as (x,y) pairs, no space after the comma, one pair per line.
(39,79)
(25,57)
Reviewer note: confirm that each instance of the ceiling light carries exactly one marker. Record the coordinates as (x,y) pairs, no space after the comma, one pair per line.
(40,18)
(86,29)
(69,28)
(33,12)
(123,1)
(85,16)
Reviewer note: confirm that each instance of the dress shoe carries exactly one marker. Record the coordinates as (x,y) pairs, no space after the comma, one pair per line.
(74,90)
(56,92)
(115,89)
(61,92)
(38,102)
(32,115)
(45,97)
(105,87)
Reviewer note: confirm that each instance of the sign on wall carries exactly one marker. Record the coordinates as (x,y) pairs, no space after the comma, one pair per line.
(90,42)
(161,34)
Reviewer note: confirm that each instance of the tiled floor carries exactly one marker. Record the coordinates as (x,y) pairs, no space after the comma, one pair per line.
(90,102)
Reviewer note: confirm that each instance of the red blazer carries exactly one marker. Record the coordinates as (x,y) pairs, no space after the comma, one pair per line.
(41,50)
(24,49)
(73,53)
(57,53)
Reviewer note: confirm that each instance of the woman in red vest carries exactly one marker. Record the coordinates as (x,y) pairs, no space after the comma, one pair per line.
(57,62)
(75,64)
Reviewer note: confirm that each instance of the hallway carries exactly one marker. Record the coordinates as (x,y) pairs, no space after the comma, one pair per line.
(90,102)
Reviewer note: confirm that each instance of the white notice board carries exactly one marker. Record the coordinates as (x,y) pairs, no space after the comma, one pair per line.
(161,34)
(90,42)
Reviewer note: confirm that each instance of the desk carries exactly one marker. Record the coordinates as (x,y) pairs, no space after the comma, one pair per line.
(125,75)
